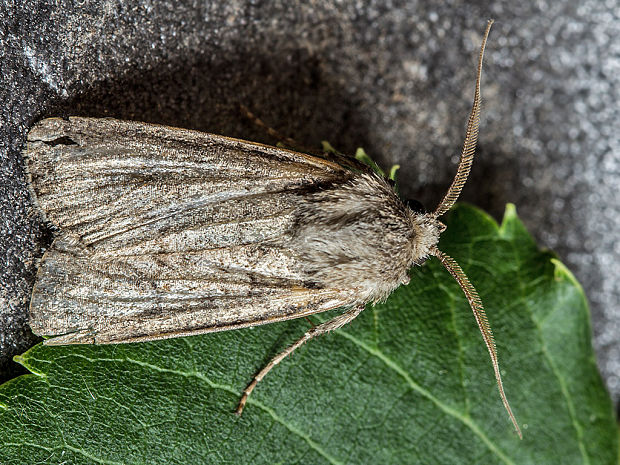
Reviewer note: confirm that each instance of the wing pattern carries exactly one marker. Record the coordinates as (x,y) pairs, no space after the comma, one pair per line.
(165,232)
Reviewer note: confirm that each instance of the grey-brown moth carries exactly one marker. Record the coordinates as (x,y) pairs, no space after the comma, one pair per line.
(164,232)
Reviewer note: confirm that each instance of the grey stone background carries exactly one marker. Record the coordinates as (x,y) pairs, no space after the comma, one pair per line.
(394,77)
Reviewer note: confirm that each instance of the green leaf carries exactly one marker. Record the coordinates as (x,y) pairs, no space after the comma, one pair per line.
(408,382)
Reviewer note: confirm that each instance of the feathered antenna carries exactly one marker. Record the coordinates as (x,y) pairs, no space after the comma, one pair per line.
(467,157)
(471,138)
(481,318)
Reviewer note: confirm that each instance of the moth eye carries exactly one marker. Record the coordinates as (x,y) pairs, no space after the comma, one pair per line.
(415,205)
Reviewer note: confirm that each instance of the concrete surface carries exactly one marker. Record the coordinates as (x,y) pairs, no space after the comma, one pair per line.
(394,77)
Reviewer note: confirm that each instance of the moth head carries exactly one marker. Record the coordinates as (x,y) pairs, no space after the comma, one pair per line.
(426,229)
(434,227)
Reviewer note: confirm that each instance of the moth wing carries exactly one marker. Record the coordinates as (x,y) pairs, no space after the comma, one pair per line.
(83,298)
(165,232)
(109,183)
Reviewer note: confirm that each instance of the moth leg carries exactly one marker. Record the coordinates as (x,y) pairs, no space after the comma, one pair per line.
(269,130)
(327,153)
(323,328)
(288,142)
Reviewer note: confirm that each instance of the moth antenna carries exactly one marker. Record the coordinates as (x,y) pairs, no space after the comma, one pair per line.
(483,323)
(471,138)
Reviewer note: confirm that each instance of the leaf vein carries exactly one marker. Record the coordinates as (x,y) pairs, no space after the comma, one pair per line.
(416,387)
(314,445)
(554,368)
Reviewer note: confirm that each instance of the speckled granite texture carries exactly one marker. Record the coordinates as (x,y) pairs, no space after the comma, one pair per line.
(393,77)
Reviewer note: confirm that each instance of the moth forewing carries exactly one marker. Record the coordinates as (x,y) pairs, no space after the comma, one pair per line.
(164,232)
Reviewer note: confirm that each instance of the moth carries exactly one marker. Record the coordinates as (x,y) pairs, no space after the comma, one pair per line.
(163,232)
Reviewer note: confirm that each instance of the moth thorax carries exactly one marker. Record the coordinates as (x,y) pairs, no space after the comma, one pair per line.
(426,235)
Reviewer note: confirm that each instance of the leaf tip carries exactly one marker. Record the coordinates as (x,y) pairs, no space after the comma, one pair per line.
(512,228)
(510,212)
(23,361)
(509,220)
(561,273)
